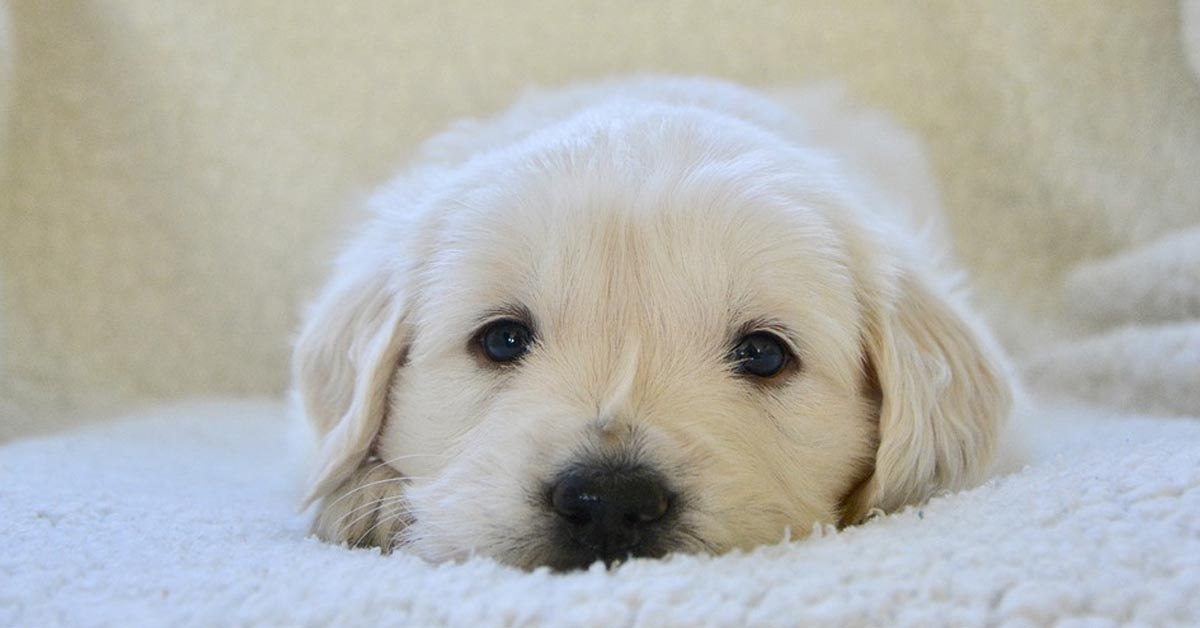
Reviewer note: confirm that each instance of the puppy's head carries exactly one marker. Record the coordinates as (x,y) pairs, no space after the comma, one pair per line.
(635,333)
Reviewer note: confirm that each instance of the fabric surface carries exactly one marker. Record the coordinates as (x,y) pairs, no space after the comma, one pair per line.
(179,174)
(184,517)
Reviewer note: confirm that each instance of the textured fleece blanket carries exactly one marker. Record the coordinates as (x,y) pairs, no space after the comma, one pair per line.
(184,516)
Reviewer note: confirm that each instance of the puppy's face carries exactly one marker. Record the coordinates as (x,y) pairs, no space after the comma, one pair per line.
(635,340)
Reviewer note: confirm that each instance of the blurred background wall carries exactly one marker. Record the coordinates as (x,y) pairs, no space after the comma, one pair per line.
(176,175)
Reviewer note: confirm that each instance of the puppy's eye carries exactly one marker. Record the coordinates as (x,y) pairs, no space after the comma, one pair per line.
(505,340)
(760,354)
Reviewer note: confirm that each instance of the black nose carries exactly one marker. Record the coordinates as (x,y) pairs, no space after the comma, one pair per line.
(609,512)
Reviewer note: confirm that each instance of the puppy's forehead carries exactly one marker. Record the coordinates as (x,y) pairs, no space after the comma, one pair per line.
(691,233)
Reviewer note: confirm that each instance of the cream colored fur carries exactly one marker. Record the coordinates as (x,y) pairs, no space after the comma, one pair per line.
(642,224)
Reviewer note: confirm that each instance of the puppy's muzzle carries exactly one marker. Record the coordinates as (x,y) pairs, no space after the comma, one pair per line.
(609,514)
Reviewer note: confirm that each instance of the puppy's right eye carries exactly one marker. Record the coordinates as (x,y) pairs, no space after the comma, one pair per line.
(760,354)
(505,340)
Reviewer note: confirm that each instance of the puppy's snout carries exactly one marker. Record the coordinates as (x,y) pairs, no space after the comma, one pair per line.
(608,512)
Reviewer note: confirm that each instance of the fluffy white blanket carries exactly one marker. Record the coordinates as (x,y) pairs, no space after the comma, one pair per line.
(184,516)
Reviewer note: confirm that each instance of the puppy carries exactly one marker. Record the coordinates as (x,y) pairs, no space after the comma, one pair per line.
(642,317)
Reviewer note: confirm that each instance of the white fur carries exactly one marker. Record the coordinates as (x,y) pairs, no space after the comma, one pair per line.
(642,223)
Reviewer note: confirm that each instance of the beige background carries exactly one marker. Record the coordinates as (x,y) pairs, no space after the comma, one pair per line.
(177,174)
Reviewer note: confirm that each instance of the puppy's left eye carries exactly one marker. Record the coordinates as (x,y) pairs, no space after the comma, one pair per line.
(505,340)
(760,354)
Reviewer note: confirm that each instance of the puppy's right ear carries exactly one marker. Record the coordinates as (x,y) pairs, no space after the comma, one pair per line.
(348,350)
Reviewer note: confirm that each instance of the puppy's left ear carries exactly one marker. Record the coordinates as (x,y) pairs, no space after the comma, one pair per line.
(943,393)
(350,346)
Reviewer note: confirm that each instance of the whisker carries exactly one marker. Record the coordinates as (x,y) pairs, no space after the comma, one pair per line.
(375,504)
(363,487)
(388,518)
(389,461)
(367,506)
(346,528)
(356,489)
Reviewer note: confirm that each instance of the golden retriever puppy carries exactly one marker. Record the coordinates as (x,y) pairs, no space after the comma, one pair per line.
(641,317)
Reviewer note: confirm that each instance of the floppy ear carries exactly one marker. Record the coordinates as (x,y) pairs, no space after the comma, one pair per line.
(344,359)
(943,391)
